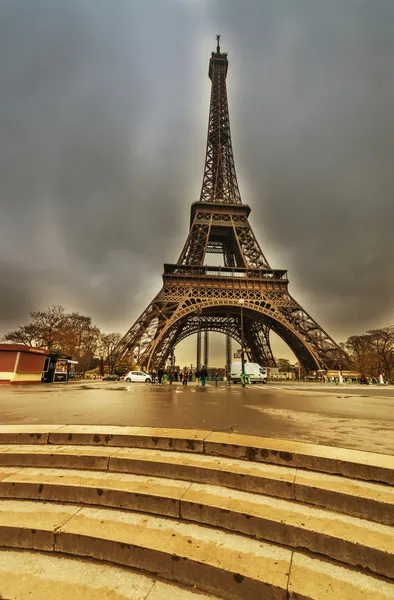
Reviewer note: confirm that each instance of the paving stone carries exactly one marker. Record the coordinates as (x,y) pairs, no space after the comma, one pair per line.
(165,591)
(320,580)
(7,471)
(31,524)
(75,457)
(26,434)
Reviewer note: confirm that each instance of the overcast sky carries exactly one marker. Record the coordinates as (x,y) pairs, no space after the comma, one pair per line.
(103,118)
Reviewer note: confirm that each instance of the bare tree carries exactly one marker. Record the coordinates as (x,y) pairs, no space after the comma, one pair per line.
(79,338)
(108,350)
(57,331)
(24,334)
(373,351)
(43,331)
(360,351)
(382,343)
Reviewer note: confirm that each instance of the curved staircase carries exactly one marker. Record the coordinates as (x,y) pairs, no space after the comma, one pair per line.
(150,514)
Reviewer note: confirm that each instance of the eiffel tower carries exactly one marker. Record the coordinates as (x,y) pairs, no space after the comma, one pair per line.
(198,298)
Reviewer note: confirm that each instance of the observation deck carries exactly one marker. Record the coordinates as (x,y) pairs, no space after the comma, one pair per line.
(235,277)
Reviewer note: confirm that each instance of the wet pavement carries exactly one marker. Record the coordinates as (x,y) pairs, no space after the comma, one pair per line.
(350,416)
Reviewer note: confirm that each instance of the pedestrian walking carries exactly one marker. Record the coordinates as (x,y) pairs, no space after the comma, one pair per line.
(203,375)
(153,376)
(185,376)
(160,374)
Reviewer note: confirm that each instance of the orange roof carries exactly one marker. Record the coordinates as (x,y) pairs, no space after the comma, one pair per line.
(22,348)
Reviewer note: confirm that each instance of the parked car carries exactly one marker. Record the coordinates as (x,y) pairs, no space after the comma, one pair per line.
(112,377)
(137,376)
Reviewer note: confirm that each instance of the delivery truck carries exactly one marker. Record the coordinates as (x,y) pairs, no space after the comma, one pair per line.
(255,373)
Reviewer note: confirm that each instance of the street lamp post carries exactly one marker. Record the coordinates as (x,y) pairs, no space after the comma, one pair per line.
(172,364)
(241,303)
(198,361)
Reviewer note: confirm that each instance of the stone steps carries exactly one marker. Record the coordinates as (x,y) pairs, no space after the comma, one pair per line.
(367,466)
(32,575)
(350,496)
(240,520)
(231,566)
(350,540)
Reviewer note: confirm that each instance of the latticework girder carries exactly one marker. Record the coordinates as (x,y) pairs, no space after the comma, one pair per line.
(232,236)
(220,180)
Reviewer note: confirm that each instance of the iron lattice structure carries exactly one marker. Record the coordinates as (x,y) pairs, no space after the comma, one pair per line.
(196,298)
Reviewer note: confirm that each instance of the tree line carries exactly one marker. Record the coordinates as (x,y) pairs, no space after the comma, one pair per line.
(372,353)
(72,334)
(75,335)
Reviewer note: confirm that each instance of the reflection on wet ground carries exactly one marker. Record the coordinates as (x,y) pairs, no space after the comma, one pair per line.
(351,417)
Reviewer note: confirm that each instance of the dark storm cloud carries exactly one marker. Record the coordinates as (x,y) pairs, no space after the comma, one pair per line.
(96,151)
(103,113)
(314,118)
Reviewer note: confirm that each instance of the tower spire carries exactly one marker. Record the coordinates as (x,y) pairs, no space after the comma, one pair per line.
(220,180)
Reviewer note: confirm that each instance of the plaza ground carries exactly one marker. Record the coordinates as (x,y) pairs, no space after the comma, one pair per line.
(351,416)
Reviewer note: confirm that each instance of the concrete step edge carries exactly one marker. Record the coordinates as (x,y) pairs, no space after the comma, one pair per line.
(349,496)
(32,574)
(225,564)
(346,539)
(351,463)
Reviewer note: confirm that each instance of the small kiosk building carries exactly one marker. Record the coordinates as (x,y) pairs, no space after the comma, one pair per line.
(21,364)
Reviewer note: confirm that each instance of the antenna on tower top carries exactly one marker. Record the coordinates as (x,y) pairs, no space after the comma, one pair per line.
(218,44)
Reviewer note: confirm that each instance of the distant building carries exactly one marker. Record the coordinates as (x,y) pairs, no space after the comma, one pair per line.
(24,364)
(21,364)
(279,373)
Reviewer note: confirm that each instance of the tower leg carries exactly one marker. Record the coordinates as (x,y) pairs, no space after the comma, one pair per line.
(259,342)
(206,348)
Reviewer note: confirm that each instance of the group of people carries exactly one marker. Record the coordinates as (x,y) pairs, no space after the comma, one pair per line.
(188,375)
(157,377)
(185,376)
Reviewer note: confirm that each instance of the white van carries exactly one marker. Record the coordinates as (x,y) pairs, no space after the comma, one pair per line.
(253,370)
